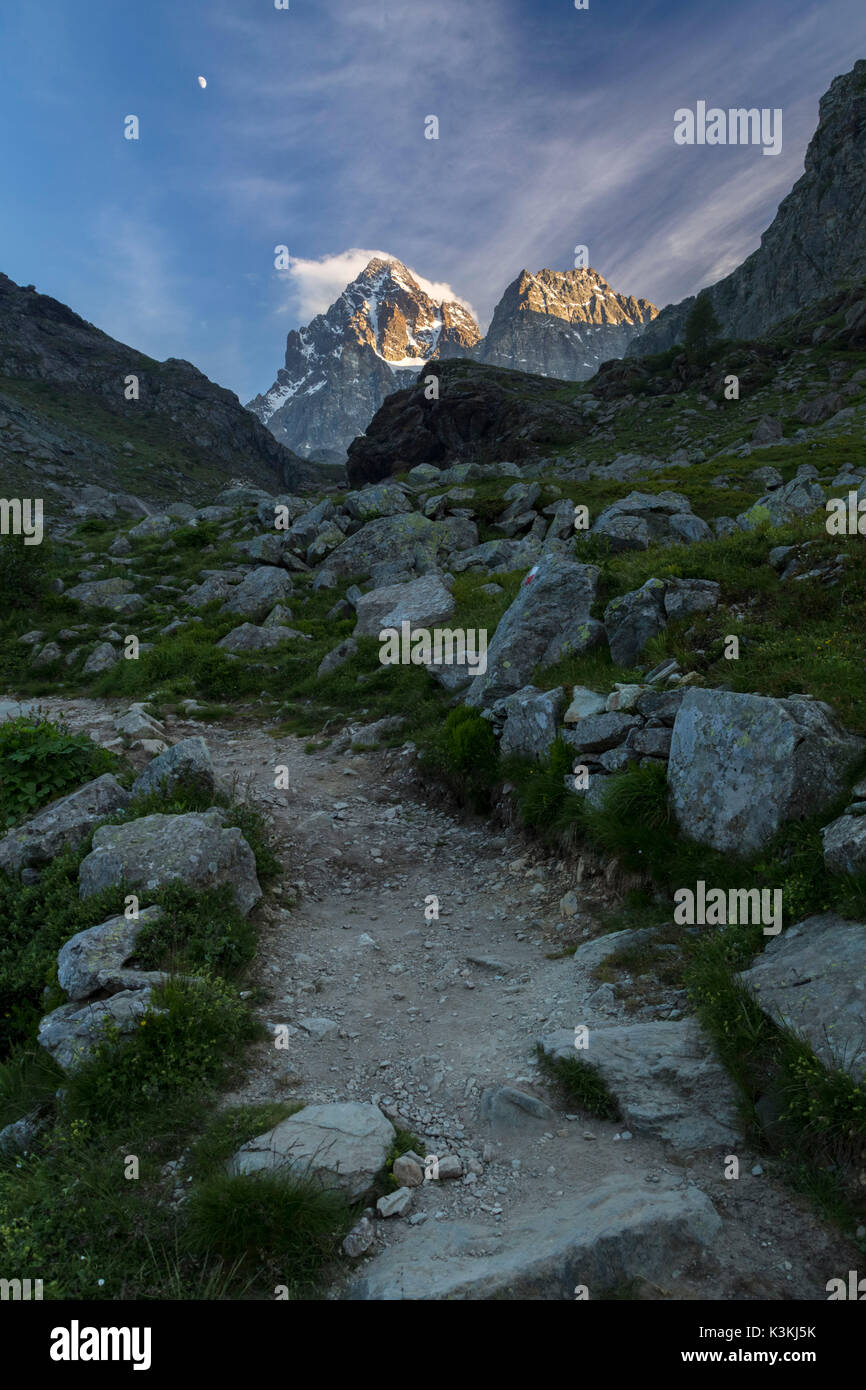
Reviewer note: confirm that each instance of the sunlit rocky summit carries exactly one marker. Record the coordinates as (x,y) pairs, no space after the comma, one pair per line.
(562,323)
(372,341)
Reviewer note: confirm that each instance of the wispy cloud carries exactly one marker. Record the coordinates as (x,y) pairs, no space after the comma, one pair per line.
(313,285)
(138,293)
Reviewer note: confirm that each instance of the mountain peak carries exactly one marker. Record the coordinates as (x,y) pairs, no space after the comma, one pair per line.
(562,323)
(341,366)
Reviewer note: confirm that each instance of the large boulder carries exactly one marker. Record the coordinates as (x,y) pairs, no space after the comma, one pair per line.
(71,1032)
(114,594)
(257,593)
(812,978)
(187,762)
(532,722)
(379,499)
(408,543)
(93,959)
(742,765)
(193,848)
(65,824)
(422,603)
(549,619)
(342,1146)
(407,540)
(845,845)
(643,519)
(632,619)
(800,497)
(251,638)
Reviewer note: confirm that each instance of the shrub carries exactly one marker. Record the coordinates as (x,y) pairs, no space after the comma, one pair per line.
(197,929)
(35,921)
(465,752)
(39,760)
(183,1043)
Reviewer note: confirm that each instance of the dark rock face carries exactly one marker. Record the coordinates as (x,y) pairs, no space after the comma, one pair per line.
(562,323)
(816,243)
(42,341)
(483,413)
(340,368)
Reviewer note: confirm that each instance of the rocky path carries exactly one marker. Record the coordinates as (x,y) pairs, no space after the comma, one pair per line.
(424,1017)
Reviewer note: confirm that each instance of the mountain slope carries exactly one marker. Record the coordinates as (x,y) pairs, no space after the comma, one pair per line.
(816,242)
(562,323)
(339,369)
(65,419)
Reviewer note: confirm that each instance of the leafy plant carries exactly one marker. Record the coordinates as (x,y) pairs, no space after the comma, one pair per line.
(39,760)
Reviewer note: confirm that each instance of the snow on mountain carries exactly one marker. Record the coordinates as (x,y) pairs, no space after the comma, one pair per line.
(373,339)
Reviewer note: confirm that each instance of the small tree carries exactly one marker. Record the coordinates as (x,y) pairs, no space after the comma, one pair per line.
(702,328)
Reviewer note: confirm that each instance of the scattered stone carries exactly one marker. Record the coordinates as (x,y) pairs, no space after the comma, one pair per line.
(359,1239)
(396,1203)
(532,722)
(102,658)
(506,1108)
(318,1027)
(408,1172)
(71,1032)
(338,657)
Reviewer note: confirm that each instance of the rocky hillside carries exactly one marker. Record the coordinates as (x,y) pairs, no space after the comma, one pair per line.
(65,420)
(340,368)
(481,412)
(816,242)
(562,323)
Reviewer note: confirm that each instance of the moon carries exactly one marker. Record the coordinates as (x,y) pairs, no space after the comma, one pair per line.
(202,81)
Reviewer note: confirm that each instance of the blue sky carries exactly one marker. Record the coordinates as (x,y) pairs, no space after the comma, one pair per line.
(556,129)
